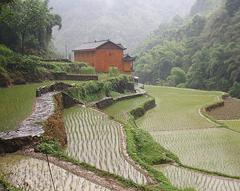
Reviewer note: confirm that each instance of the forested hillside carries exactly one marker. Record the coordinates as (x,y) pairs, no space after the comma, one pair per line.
(201,51)
(128,22)
(26,26)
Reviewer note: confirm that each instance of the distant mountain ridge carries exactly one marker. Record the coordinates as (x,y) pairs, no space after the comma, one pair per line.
(128,22)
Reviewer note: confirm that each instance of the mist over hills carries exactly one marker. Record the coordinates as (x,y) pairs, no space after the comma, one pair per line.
(128,22)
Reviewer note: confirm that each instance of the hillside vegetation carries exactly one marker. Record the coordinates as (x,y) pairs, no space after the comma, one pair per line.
(26,25)
(17,69)
(201,51)
(25,44)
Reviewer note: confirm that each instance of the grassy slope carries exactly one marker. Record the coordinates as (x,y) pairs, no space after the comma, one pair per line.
(177,109)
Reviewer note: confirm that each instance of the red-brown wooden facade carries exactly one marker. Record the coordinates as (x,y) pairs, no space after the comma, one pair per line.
(103,55)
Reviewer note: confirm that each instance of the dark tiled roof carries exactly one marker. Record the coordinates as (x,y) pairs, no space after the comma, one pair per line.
(127,57)
(96,44)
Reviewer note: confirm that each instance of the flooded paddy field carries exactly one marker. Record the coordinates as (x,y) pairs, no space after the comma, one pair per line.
(216,149)
(185,178)
(97,140)
(34,175)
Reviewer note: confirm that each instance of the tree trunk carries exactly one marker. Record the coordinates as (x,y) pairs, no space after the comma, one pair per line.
(22,43)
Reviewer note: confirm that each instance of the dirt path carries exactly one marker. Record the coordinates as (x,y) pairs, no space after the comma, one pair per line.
(79,171)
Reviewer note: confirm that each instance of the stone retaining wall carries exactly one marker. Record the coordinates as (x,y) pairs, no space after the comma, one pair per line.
(75,77)
(58,87)
(216,105)
(141,110)
(69,101)
(124,97)
(105,102)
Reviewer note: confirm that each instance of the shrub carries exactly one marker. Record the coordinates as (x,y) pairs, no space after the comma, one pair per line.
(182,85)
(140,110)
(4,51)
(113,72)
(94,90)
(177,76)
(87,70)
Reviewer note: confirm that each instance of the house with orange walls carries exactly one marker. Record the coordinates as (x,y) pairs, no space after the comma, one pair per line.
(102,55)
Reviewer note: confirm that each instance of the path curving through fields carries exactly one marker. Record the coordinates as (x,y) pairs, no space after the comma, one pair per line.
(97,140)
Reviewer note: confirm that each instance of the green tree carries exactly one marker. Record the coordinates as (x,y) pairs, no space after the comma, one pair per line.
(197,74)
(178,76)
(30,22)
(235,90)
(232,6)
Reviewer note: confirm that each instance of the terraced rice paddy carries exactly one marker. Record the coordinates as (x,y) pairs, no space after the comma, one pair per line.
(95,139)
(177,125)
(184,178)
(120,109)
(177,109)
(215,149)
(33,175)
